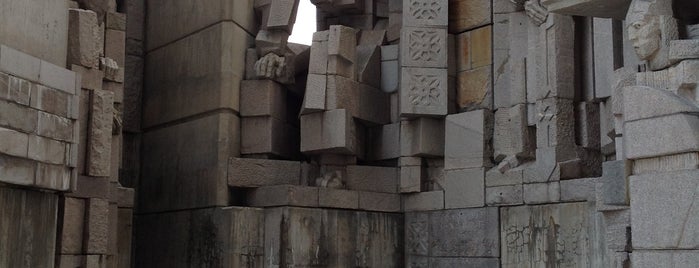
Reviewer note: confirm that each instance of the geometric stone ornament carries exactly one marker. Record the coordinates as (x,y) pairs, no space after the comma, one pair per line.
(425,12)
(423,92)
(424,47)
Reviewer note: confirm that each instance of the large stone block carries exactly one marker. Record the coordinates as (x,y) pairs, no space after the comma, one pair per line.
(13,143)
(46,150)
(665,199)
(468,14)
(422,136)
(72,224)
(330,131)
(188,163)
(99,150)
(541,193)
(424,201)
(385,142)
(666,163)
(570,230)
(660,258)
(424,47)
(28,220)
(342,41)
(283,195)
(303,237)
(15,89)
(512,135)
(248,172)
(504,195)
(384,202)
(268,135)
(196,74)
(19,64)
(85,38)
(468,135)
(643,140)
(315,94)
(475,88)
(338,198)
(183,20)
(45,36)
(218,237)
(50,100)
(430,13)
(641,102)
(18,117)
(372,179)
(464,188)
(282,15)
(453,233)
(262,98)
(96,226)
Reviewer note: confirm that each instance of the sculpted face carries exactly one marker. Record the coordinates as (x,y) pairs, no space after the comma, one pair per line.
(644,34)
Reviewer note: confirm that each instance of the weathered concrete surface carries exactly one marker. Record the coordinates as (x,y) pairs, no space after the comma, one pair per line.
(562,235)
(27,228)
(36,27)
(301,237)
(212,237)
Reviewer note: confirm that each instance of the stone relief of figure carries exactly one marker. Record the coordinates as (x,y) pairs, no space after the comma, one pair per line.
(276,61)
(651,27)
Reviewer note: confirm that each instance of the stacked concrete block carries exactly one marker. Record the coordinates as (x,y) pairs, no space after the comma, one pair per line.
(423,59)
(39,126)
(265,129)
(469,14)
(474,69)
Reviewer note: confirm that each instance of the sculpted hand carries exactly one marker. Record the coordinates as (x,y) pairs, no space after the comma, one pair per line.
(536,11)
(271,66)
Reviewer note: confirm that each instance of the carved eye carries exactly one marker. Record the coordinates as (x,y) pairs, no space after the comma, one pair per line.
(637,25)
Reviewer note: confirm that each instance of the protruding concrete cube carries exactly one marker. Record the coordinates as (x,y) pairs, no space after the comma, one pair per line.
(422,137)
(262,98)
(331,131)
(85,37)
(268,135)
(372,179)
(468,136)
(423,201)
(464,188)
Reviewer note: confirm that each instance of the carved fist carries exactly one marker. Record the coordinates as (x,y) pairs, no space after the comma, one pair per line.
(536,11)
(271,66)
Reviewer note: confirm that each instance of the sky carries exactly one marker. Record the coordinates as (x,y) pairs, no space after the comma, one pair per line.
(305,23)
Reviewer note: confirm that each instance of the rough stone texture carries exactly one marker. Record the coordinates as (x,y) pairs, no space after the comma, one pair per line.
(423,201)
(13,143)
(475,88)
(504,195)
(96,226)
(268,135)
(565,234)
(468,137)
(452,233)
(45,36)
(468,14)
(666,163)
(539,193)
(211,237)
(665,199)
(85,37)
(464,188)
(511,133)
(645,102)
(27,232)
(100,133)
(247,172)
(677,259)
(383,202)
(372,179)
(329,131)
(385,142)
(332,238)
(578,189)
(338,198)
(199,73)
(18,117)
(283,195)
(641,140)
(193,179)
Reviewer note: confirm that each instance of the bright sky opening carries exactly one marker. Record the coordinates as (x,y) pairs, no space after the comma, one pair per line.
(305,24)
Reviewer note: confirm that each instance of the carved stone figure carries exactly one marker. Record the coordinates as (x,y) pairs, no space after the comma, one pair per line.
(651,27)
